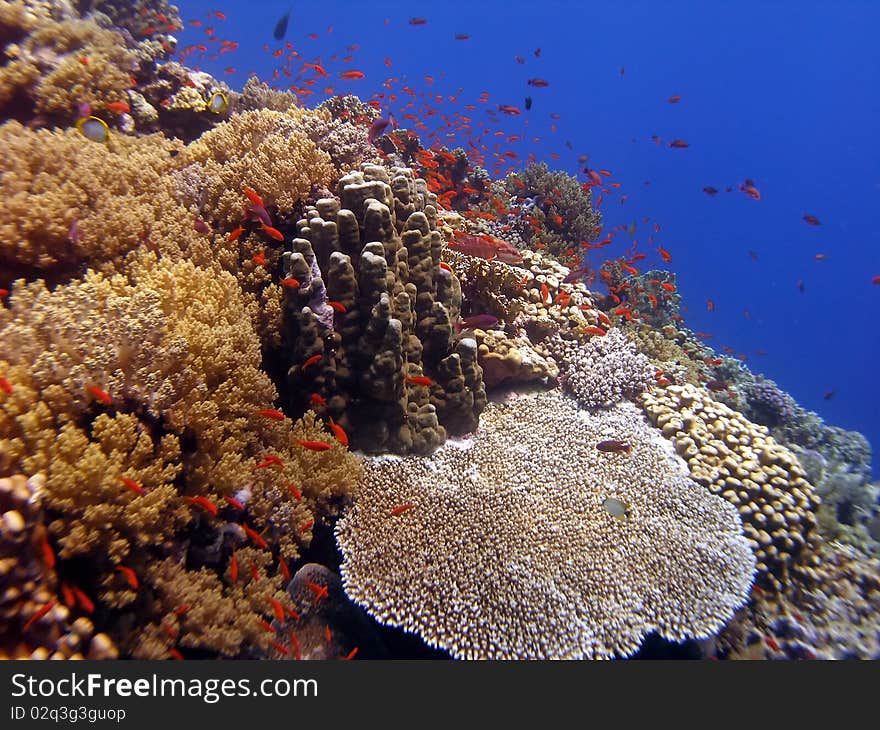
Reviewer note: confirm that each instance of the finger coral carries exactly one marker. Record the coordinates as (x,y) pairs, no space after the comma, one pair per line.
(529,542)
(370,322)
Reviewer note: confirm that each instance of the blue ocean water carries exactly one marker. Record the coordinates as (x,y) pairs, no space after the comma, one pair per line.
(783,94)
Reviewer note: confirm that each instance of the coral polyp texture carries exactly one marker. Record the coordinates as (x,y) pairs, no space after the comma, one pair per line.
(741,462)
(528,541)
(369,321)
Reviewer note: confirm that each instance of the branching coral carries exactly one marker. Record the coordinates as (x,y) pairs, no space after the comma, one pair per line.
(264,150)
(508,547)
(604,371)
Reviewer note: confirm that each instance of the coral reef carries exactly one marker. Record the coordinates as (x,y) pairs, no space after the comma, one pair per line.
(512,360)
(509,545)
(370,322)
(741,462)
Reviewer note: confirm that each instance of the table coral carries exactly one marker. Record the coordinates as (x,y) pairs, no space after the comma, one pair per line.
(741,462)
(383,356)
(500,547)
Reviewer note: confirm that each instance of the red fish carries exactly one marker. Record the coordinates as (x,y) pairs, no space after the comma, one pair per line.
(306,527)
(204,503)
(352,75)
(290,283)
(339,433)
(665,255)
(129,575)
(42,611)
(235,234)
(98,394)
(270,460)
(591,330)
(295,492)
(337,306)
(255,537)
(400,509)
(319,590)
(509,109)
(260,259)
(678,144)
(540,83)
(418,21)
(253,197)
(83,600)
(132,485)
(233,567)
(545,294)
(352,654)
(317,400)
(874,280)
(420,380)
(674,99)
(812,220)
(751,191)
(271,413)
(119,107)
(315,445)
(710,305)
(311,361)
(667,286)
(272,232)
(285,571)
(277,608)
(232,502)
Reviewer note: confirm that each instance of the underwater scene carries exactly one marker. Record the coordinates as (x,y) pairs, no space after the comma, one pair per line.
(494,330)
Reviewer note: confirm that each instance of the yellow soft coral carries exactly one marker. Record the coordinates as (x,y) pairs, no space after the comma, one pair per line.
(67,199)
(264,150)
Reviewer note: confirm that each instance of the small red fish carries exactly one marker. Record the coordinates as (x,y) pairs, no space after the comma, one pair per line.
(266,625)
(119,107)
(418,21)
(400,509)
(678,144)
(352,75)
(545,294)
(42,611)
(351,655)
(290,283)
(270,460)
(665,255)
(6,386)
(319,590)
(233,567)
(337,306)
(668,286)
(311,361)
(175,654)
(306,527)
(285,571)
(420,380)
(235,234)
(539,83)
(260,259)
(591,330)
(98,394)
(277,608)
(129,575)
(253,197)
(272,232)
(295,492)
(255,537)
(751,191)
(812,220)
(232,502)
(132,485)
(315,445)
(338,432)
(874,280)
(271,413)
(327,635)
(48,554)
(83,600)
(317,401)
(205,503)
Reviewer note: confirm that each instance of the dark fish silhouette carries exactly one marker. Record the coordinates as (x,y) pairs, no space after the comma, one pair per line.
(281,27)
(528,103)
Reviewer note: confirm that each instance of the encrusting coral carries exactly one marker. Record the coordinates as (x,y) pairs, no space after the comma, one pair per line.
(739,461)
(370,317)
(530,542)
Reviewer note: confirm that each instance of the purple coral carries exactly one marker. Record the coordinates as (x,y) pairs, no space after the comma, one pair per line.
(767,404)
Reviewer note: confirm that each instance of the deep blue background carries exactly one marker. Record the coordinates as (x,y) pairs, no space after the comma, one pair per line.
(783,93)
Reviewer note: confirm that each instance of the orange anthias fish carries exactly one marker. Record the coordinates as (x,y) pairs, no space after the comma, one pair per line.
(129,576)
(315,445)
(271,413)
(812,220)
(352,75)
(253,197)
(420,380)
(338,432)
(272,232)
(679,144)
(98,394)
(614,447)
(674,99)
(400,509)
